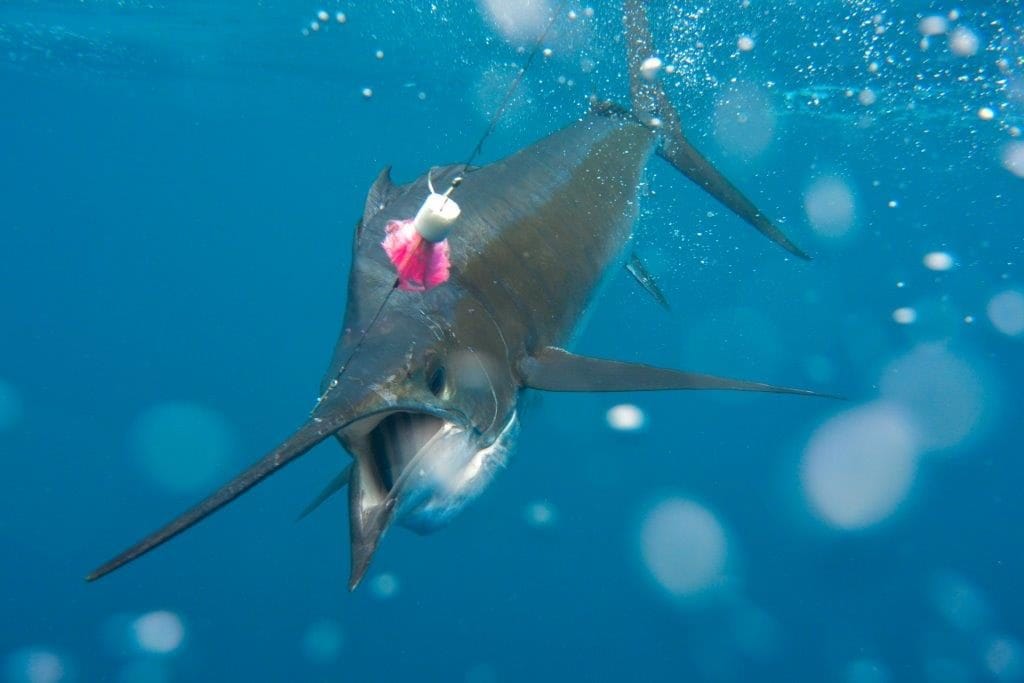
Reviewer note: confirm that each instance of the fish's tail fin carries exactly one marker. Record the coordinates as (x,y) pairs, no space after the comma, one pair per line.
(308,435)
(653,108)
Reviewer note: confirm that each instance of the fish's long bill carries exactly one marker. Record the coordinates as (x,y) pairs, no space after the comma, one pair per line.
(308,435)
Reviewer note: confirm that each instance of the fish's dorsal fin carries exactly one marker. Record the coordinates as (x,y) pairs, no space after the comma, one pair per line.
(307,436)
(333,486)
(635,267)
(381,192)
(652,107)
(555,369)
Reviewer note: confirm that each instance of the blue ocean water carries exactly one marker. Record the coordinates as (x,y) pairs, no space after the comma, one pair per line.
(180,182)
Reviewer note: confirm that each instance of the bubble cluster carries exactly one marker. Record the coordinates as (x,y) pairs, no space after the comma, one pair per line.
(517,20)
(322,20)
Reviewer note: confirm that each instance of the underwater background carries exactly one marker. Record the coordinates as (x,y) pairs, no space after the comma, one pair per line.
(179,182)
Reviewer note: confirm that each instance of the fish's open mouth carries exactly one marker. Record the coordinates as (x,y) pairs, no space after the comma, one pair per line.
(385,444)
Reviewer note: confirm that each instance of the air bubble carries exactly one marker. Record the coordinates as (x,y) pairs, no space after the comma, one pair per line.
(684,547)
(626,417)
(1006,312)
(963,42)
(650,67)
(939,261)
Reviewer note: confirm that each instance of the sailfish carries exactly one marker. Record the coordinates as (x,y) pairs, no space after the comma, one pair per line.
(424,387)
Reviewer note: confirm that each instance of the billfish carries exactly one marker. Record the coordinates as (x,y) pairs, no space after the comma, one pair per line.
(424,385)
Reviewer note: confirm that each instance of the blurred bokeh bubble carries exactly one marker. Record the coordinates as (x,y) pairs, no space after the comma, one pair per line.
(183,447)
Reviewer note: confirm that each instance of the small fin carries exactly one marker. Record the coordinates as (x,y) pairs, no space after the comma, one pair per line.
(639,271)
(555,369)
(307,436)
(335,485)
(650,101)
(381,192)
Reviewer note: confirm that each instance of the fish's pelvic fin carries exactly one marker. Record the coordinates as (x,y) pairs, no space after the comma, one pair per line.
(333,486)
(653,108)
(635,267)
(555,369)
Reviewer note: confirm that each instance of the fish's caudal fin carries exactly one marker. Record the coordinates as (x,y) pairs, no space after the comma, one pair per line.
(307,436)
(555,369)
(653,108)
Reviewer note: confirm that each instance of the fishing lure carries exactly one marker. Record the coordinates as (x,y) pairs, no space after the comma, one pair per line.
(418,247)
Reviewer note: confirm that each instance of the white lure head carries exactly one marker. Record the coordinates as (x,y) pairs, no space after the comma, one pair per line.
(434,219)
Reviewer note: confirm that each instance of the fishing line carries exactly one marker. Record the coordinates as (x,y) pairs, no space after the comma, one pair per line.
(499,113)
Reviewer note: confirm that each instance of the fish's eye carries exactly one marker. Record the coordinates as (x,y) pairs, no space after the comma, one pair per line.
(435,380)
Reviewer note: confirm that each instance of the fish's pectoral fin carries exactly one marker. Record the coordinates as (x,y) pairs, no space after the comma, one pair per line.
(555,369)
(650,102)
(336,484)
(635,267)
(307,436)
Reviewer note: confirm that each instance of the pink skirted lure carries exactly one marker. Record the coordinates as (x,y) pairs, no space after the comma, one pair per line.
(420,263)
